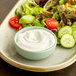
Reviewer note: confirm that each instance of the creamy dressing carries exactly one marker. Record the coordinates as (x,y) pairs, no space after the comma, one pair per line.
(35,40)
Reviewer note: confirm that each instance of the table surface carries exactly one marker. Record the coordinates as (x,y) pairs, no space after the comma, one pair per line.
(8,70)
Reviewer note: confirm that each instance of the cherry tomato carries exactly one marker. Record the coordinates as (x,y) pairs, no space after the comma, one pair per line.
(51,23)
(14,22)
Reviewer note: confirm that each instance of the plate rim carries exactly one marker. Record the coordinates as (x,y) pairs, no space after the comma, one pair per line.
(34,68)
(39,68)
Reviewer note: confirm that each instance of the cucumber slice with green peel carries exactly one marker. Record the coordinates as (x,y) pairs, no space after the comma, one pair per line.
(67,41)
(74,29)
(74,35)
(74,26)
(64,30)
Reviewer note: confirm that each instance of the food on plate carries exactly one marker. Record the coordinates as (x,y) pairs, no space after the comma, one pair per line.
(14,22)
(41,2)
(61,2)
(35,40)
(59,16)
(27,19)
(51,23)
(74,35)
(64,30)
(67,41)
(74,26)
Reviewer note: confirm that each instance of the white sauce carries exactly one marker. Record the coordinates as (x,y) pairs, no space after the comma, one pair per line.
(35,40)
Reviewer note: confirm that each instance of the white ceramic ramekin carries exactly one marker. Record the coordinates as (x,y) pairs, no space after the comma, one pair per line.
(35,55)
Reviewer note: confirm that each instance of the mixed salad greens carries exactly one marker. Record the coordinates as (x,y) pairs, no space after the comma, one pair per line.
(58,16)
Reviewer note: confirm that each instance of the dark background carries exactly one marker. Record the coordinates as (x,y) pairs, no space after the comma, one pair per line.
(8,70)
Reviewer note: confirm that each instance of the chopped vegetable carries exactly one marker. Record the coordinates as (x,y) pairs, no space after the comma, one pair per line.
(74,35)
(66,5)
(58,41)
(26,25)
(67,41)
(61,2)
(50,3)
(17,13)
(19,28)
(51,23)
(14,22)
(57,15)
(38,24)
(64,30)
(67,15)
(74,26)
(30,7)
(26,19)
(41,2)
(43,21)
(47,12)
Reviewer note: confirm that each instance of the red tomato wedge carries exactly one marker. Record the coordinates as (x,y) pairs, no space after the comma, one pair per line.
(14,22)
(51,23)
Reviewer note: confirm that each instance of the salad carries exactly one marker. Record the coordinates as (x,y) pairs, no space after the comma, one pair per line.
(58,16)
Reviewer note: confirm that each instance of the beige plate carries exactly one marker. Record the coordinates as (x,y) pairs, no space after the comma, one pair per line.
(60,59)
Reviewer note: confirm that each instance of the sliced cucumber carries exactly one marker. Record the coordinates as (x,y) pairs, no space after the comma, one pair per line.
(74,26)
(67,41)
(74,35)
(64,30)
